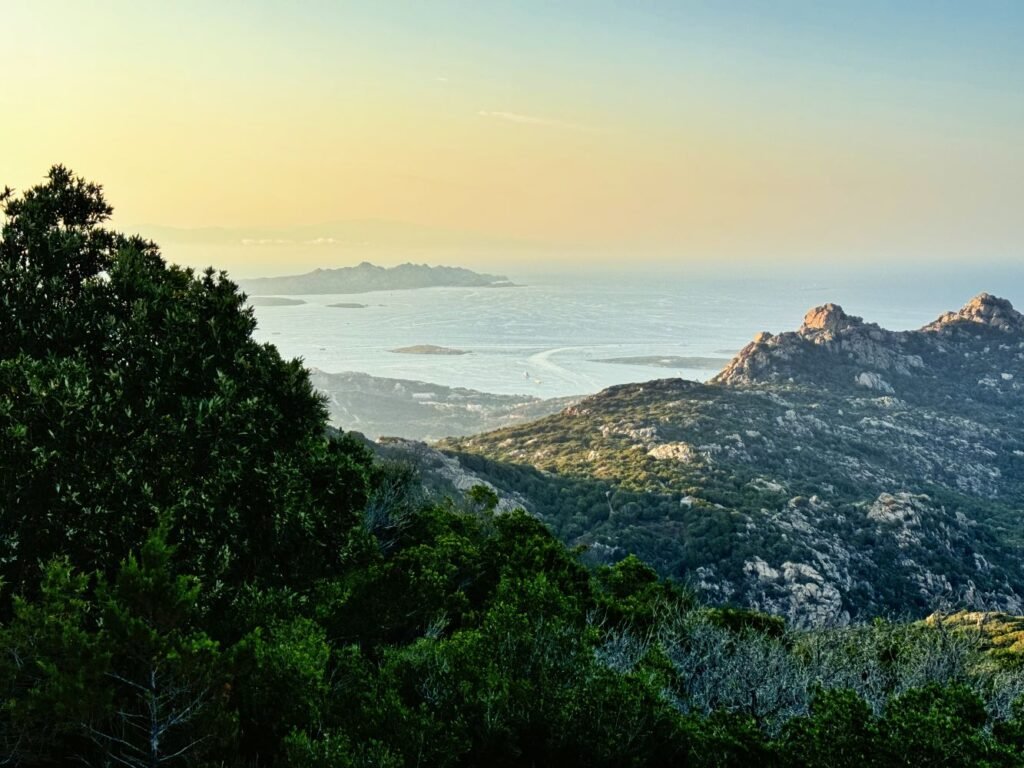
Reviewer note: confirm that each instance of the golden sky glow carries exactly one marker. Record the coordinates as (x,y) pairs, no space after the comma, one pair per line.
(679,131)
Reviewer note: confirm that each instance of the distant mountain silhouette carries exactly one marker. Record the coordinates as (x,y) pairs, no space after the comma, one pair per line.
(368,277)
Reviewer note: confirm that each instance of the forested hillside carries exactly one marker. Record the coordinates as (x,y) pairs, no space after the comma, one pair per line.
(195,571)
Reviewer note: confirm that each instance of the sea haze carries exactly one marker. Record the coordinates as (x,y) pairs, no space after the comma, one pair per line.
(562,330)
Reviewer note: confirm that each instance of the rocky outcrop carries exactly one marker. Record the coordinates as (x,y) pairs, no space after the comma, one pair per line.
(796,590)
(870,380)
(903,508)
(673,452)
(984,309)
(838,350)
(826,321)
(442,473)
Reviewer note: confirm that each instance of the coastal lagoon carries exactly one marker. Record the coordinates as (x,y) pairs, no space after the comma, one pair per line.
(554,335)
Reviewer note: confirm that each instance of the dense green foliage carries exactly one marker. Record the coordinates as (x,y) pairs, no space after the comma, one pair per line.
(196,573)
(132,390)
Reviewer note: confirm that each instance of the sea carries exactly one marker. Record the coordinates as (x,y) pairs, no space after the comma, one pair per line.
(552,334)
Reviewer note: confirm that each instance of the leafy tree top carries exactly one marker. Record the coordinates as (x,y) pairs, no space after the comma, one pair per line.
(132,391)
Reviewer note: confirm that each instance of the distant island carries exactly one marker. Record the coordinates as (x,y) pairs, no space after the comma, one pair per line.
(273,301)
(671,361)
(349,305)
(429,349)
(369,277)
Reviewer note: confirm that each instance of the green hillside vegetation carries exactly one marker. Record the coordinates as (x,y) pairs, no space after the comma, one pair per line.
(1001,634)
(196,572)
(907,503)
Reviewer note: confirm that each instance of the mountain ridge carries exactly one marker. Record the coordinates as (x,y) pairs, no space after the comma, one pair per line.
(825,473)
(877,351)
(366,277)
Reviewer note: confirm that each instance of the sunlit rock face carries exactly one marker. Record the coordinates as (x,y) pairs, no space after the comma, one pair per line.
(827,319)
(840,350)
(984,309)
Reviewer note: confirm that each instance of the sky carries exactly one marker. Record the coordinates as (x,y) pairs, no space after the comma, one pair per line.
(272,137)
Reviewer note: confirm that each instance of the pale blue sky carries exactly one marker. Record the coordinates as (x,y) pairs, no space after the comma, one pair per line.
(674,130)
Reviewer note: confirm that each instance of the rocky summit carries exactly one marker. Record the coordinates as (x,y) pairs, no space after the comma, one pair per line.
(971,347)
(828,473)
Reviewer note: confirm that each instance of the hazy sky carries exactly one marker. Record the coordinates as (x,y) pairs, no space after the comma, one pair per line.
(769,132)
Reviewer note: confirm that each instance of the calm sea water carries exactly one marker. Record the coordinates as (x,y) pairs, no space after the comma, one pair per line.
(546,338)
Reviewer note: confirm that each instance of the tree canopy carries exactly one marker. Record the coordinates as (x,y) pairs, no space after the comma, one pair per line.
(133,391)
